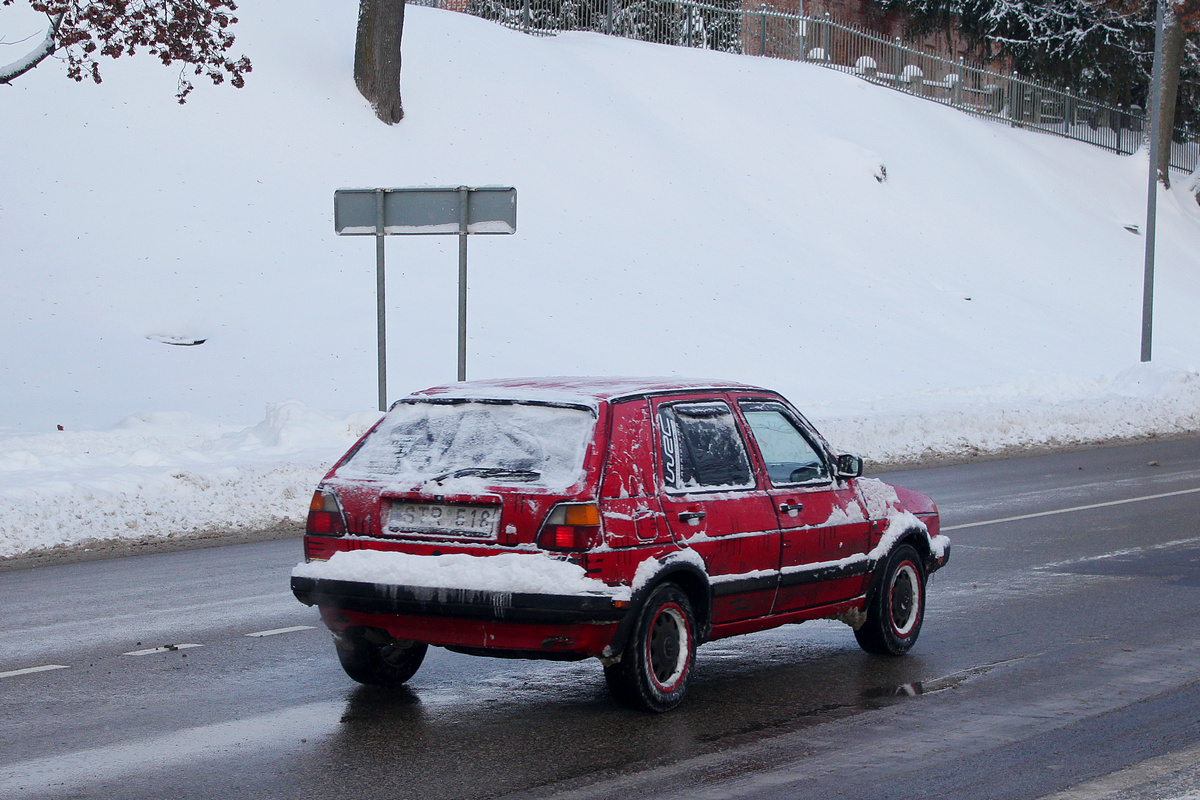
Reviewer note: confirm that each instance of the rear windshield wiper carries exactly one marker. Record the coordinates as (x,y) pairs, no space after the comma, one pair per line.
(490,472)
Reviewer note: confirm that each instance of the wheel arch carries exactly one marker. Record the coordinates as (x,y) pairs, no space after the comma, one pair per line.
(915,538)
(692,581)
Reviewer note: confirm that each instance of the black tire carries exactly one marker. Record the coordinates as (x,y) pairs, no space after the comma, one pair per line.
(897,608)
(376,659)
(657,665)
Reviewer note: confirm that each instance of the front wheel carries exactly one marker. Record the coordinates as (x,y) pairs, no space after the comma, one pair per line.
(656,667)
(376,659)
(897,609)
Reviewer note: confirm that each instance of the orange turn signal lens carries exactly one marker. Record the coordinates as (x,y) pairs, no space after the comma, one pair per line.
(582,514)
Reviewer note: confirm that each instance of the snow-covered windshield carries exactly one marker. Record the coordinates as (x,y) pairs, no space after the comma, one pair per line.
(520,443)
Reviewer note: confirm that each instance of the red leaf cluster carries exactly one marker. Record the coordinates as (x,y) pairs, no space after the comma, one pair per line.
(193,33)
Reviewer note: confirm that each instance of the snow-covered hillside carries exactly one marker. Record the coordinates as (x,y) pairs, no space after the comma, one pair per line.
(918,279)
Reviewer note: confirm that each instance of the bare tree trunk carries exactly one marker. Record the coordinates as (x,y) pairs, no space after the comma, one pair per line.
(377,56)
(1172,61)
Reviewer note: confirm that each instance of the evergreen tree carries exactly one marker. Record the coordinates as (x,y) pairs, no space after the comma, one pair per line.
(1104,48)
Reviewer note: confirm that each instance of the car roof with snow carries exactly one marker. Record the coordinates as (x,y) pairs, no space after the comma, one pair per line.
(573,390)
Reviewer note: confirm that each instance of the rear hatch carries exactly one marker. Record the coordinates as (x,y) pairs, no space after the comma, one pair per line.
(466,472)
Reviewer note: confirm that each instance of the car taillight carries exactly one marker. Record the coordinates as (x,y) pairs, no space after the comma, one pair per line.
(571,526)
(325,516)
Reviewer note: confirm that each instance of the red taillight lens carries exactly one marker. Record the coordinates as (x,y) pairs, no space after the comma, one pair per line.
(325,516)
(571,526)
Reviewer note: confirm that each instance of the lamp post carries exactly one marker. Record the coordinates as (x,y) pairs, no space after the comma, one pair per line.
(1156,78)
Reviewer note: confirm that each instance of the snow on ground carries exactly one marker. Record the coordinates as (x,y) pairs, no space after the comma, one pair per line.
(679,212)
(167,475)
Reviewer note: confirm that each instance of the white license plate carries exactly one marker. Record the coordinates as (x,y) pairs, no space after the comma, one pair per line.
(440,519)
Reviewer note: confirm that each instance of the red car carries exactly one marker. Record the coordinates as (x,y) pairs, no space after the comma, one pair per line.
(626,520)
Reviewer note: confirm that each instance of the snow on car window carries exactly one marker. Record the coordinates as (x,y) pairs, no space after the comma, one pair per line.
(701,448)
(518,443)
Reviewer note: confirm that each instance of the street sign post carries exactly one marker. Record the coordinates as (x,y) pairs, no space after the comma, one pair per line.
(461,210)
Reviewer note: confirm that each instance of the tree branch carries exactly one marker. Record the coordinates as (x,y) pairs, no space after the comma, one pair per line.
(36,56)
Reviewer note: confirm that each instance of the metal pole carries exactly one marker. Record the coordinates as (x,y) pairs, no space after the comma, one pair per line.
(380,306)
(1152,190)
(762,32)
(463,199)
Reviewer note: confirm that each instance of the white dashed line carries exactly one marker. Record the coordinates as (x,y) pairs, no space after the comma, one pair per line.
(1069,510)
(275,631)
(168,648)
(29,670)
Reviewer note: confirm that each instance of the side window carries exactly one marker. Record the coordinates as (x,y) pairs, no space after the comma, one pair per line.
(789,456)
(701,447)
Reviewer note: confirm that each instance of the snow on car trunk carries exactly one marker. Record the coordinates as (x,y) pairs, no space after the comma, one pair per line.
(510,573)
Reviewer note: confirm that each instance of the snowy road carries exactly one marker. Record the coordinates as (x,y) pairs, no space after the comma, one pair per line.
(1059,656)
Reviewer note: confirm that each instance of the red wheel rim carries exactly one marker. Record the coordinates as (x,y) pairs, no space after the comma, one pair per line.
(668,647)
(904,599)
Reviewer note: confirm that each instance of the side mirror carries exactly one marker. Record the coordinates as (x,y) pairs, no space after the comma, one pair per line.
(849,466)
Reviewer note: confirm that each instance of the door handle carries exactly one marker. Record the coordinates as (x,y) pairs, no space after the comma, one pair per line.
(791,509)
(692,517)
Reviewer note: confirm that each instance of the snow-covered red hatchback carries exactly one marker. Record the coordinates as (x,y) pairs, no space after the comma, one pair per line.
(627,520)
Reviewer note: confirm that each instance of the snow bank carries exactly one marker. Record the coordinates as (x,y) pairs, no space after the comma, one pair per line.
(159,476)
(1141,401)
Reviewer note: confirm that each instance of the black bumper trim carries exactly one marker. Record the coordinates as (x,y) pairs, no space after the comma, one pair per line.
(372,598)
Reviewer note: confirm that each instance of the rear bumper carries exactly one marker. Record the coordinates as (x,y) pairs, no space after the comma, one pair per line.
(482,622)
(464,604)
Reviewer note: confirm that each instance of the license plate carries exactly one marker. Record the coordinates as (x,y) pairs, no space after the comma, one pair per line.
(428,519)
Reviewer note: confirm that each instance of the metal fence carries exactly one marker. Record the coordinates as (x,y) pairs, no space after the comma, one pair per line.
(765,31)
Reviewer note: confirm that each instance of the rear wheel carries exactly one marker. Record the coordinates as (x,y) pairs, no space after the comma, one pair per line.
(377,659)
(897,609)
(656,667)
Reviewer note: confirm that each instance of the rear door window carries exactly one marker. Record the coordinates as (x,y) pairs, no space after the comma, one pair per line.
(702,448)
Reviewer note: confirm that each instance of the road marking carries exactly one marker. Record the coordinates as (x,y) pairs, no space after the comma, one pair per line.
(1129,551)
(275,631)
(29,670)
(1070,510)
(167,648)
(1168,769)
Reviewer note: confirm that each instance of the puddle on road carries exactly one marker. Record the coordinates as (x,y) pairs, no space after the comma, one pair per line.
(867,700)
(935,685)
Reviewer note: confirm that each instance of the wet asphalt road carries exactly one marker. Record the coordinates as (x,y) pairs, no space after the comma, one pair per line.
(1060,654)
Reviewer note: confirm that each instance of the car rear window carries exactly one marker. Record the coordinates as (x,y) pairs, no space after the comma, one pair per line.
(499,442)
